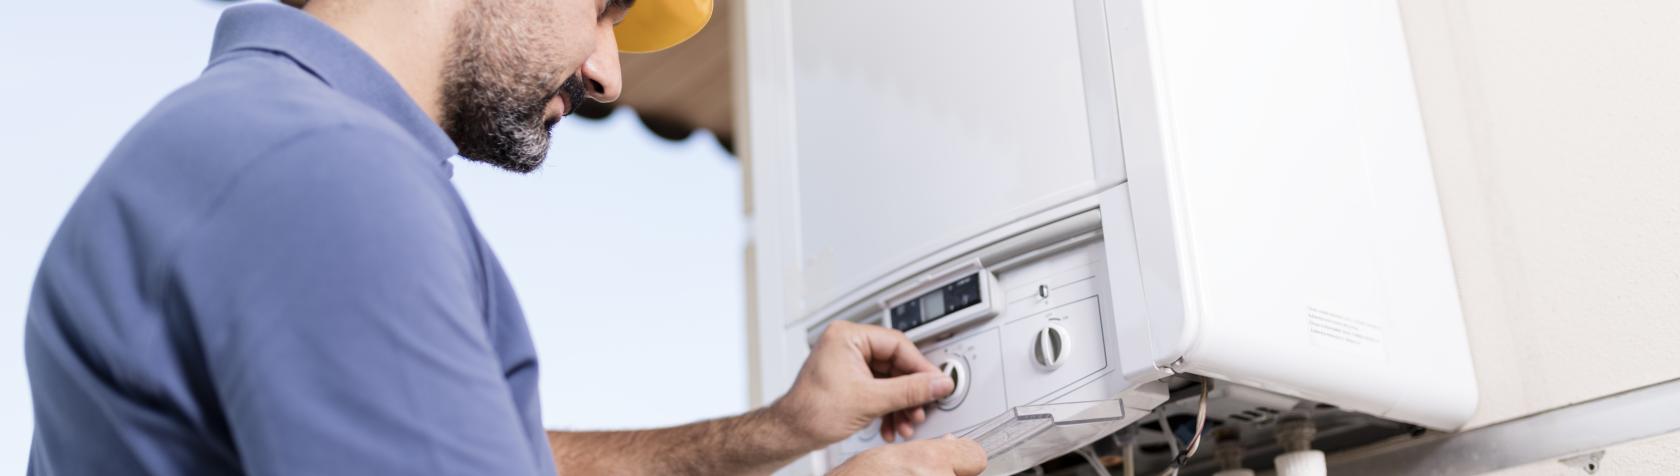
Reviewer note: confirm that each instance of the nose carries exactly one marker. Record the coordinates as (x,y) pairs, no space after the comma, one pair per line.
(601,74)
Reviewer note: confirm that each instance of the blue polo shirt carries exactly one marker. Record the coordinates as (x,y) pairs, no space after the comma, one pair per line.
(272,274)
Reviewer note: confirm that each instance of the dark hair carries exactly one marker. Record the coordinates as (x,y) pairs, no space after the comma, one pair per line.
(295,3)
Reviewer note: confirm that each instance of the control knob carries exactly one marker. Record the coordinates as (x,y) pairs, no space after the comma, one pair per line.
(1050,347)
(957,370)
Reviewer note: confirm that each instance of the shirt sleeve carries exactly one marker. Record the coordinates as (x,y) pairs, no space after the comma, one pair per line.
(338,302)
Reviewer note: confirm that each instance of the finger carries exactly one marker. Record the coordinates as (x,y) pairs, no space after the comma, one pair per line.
(906,391)
(914,416)
(905,430)
(882,344)
(881,369)
(887,428)
(967,458)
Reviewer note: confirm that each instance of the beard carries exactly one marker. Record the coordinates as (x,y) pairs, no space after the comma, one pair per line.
(495,91)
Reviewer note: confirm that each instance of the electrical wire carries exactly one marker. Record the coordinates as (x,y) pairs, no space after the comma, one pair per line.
(1195,439)
(1201,421)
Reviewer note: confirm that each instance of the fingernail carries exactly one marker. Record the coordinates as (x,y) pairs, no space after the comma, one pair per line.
(940,385)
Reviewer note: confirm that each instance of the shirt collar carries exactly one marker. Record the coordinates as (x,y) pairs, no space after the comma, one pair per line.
(328,55)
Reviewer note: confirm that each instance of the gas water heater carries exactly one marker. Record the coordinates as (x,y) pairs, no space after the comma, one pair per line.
(1084,210)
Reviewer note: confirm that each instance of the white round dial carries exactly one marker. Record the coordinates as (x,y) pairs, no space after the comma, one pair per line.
(957,370)
(1050,346)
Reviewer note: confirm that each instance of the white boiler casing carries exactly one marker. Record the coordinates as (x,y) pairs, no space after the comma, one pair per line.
(1235,190)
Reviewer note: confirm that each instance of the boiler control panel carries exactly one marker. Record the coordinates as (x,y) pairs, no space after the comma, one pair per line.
(1032,334)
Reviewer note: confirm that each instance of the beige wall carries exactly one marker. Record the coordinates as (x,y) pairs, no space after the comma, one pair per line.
(1655,456)
(1555,131)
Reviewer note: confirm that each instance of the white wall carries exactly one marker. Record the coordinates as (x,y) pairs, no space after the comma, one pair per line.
(615,210)
(1555,130)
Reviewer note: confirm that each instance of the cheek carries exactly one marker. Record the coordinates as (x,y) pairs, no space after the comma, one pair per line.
(582,38)
(550,34)
(573,29)
(579,44)
(566,44)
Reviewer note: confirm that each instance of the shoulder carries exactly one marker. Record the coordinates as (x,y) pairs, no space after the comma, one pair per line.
(281,154)
(327,205)
(247,106)
(360,180)
(360,165)
(257,121)
(319,225)
(258,155)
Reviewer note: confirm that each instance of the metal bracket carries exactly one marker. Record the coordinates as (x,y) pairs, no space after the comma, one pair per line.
(1550,435)
(1588,462)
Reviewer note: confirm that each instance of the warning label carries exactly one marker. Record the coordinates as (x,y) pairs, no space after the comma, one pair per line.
(1344,333)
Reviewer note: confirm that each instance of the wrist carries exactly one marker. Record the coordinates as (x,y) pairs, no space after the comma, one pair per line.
(794,425)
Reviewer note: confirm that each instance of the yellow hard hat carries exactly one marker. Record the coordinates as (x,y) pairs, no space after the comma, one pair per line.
(653,25)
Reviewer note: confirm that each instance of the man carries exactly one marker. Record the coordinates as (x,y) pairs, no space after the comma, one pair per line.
(272,274)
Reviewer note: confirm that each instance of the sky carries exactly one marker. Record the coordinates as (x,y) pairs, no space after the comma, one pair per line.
(626,250)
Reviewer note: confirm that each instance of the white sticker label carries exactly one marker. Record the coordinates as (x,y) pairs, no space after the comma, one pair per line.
(1344,333)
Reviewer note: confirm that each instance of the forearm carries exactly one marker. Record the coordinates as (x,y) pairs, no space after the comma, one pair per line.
(757,442)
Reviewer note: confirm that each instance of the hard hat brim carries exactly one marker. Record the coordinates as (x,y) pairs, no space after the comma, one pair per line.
(653,25)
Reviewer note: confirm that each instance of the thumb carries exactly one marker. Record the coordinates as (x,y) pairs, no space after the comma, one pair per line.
(905,391)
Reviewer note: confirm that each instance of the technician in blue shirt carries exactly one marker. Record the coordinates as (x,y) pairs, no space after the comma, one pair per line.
(272,273)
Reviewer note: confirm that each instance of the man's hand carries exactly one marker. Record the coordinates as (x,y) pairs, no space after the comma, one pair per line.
(941,457)
(855,374)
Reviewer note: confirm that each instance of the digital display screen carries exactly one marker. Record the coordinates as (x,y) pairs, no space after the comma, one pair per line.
(938,303)
(933,306)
